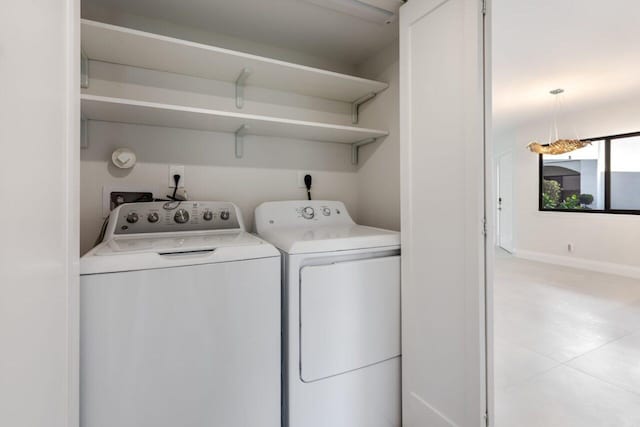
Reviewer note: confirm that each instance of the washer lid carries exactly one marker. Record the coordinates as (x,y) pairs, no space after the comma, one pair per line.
(161,250)
(174,242)
(299,240)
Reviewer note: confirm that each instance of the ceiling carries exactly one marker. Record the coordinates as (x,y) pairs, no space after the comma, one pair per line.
(292,24)
(590,48)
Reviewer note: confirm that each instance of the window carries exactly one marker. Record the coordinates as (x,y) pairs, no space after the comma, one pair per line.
(603,177)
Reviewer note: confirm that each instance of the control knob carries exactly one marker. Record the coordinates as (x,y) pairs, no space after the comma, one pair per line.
(153,217)
(181,216)
(326,211)
(207,216)
(224,215)
(132,217)
(308,212)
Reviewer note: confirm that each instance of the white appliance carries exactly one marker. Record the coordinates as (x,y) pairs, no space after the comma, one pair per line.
(180,320)
(341,315)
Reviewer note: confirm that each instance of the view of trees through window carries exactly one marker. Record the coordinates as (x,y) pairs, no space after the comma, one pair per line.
(601,177)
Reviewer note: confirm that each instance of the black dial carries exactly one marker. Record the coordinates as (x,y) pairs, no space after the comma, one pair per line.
(153,217)
(132,218)
(224,215)
(207,216)
(181,216)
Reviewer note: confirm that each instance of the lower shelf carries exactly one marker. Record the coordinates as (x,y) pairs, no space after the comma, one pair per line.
(155,114)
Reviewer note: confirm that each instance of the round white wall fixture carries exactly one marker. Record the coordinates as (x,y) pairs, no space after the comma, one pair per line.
(123,158)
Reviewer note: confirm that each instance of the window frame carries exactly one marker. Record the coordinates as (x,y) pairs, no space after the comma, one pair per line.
(607,180)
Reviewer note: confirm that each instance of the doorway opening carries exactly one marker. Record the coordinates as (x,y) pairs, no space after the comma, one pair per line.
(566,303)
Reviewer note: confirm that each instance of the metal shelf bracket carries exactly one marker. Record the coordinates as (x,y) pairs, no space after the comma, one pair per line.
(84,70)
(240,83)
(240,133)
(84,132)
(355,148)
(355,106)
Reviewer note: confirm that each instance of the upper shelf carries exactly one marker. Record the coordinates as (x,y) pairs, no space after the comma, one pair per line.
(110,43)
(156,114)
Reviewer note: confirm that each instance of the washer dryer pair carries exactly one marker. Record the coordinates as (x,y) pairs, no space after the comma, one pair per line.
(340,315)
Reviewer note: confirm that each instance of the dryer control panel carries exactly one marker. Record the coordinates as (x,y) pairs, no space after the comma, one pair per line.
(301,213)
(159,217)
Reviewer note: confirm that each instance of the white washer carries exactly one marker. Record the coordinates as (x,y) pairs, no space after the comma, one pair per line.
(341,315)
(180,320)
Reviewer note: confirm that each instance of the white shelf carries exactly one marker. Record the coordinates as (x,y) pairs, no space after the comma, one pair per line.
(176,116)
(110,43)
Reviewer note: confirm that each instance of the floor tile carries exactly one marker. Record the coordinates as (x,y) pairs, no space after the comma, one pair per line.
(556,334)
(561,312)
(564,397)
(617,363)
(625,316)
(515,364)
(567,347)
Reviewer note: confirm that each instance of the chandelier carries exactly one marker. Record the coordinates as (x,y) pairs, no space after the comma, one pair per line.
(557,145)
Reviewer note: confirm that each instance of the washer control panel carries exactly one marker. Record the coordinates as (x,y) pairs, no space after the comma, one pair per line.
(158,217)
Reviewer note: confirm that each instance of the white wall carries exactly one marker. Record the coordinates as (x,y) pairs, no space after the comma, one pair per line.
(39,124)
(604,242)
(268,170)
(379,168)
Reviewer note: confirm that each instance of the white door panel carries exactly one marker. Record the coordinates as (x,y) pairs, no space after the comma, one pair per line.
(40,139)
(443,207)
(349,316)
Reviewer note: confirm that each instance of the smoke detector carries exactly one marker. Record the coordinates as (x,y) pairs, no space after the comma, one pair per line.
(376,11)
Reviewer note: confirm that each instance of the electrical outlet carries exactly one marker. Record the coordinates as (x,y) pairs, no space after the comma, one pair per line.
(176,170)
(300,181)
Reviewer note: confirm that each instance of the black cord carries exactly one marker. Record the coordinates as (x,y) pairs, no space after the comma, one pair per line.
(307,183)
(173,197)
(103,230)
(176,180)
(169,206)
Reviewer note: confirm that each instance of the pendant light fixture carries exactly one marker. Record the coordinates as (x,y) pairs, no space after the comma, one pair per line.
(556,144)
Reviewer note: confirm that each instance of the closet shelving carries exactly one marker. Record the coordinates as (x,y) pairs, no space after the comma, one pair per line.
(176,116)
(119,45)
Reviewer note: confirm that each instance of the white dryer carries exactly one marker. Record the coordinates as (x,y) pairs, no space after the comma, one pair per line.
(180,320)
(341,315)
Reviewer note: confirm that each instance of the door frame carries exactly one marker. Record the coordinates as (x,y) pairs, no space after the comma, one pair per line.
(490,234)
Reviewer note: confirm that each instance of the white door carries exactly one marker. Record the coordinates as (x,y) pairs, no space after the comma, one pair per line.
(442,108)
(505,202)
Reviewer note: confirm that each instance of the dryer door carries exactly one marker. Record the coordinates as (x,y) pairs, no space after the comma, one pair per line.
(349,316)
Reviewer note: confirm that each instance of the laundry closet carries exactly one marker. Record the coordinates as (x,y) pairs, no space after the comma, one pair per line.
(383,103)
(243,119)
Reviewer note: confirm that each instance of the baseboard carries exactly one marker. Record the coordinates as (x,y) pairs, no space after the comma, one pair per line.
(581,263)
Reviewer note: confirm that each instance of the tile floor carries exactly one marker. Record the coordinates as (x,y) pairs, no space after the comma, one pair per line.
(567,347)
